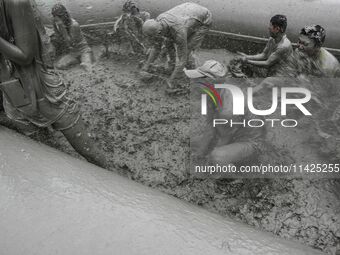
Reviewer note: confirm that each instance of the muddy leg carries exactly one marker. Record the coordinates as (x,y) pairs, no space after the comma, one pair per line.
(87,60)
(82,141)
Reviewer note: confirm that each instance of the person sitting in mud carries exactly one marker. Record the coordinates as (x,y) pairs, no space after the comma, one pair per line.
(183,28)
(314,68)
(128,27)
(311,58)
(68,33)
(275,56)
(221,145)
(313,62)
(32,94)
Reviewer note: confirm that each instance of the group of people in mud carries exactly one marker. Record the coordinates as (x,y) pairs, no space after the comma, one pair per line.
(309,65)
(35,95)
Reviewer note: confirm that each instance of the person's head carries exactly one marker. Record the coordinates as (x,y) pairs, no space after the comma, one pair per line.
(311,39)
(152,28)
(278,25)
(130,7)
(60,11)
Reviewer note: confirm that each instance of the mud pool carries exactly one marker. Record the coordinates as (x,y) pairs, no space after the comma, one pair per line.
(145,134)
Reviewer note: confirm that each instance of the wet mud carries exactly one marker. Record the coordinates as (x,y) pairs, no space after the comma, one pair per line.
(145,134)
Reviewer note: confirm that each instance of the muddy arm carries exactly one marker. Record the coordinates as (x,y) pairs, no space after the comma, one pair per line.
(262,56)
(271,60)
(25,34)
(62,30)
(154,53)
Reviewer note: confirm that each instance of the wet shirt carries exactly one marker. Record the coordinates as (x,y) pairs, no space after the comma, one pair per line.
(183,12)
(183,20)
(282,51)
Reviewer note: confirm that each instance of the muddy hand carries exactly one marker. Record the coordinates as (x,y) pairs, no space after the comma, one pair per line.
(169,84)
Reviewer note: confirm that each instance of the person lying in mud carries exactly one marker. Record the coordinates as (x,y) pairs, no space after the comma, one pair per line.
(32,94)
(128,27)
(221,145)
(273,61)
(182,28)
(69,35)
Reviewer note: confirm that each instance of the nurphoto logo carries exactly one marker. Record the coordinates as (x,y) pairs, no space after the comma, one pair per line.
(285,96)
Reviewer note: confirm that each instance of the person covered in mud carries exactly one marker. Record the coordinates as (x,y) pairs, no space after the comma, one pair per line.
(312,64)
(181,28)
(321,72)
(316,69)
(223,145)
(274,59)
(32,94)
(311,58)
(128,27)
(69,35)
(308,61)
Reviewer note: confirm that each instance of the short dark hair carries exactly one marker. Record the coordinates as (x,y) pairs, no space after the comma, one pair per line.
(315,32)
(279,21)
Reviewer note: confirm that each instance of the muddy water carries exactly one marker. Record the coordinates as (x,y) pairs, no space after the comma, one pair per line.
(145,134)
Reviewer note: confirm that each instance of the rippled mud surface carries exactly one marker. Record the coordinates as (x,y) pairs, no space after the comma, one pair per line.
(145,134)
